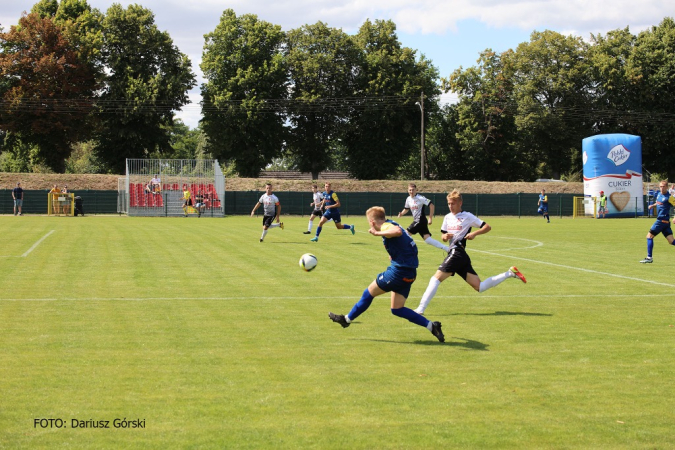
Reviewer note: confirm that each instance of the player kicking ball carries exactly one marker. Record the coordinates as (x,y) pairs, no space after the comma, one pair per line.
(456,230)
(397,279)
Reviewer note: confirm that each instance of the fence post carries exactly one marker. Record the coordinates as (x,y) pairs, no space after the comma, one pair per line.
(560,205)
(518,194)
(476,204)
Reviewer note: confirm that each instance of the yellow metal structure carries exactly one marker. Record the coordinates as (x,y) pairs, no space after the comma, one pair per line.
(585,207)
(60,204)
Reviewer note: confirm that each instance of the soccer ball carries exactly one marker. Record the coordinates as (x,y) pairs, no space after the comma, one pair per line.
(308,262)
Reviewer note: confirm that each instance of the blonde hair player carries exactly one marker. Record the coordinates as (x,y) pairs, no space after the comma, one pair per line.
(456,230)
(397,279)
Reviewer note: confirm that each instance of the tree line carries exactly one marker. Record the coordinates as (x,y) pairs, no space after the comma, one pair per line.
(82,90)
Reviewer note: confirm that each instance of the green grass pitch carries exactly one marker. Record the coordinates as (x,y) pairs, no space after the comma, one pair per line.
(214,340)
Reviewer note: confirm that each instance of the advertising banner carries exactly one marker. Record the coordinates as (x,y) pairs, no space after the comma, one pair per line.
(613,165)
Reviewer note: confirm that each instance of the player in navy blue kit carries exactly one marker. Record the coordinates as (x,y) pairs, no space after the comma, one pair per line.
(397,279)
(663,202)
(331,203)
(456,229)
(543,205)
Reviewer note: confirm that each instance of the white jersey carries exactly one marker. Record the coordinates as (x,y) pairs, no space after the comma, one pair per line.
(416,206)
(269,203)
(459,225)
(318,196)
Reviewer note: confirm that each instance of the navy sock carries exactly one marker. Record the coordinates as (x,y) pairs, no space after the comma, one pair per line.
(318,231)
(361,306)
(412,316)
(650,247)
(346,227)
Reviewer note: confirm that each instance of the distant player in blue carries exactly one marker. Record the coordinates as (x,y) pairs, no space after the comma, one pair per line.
(543,205)
(397,279)
(331,203)
(663,202)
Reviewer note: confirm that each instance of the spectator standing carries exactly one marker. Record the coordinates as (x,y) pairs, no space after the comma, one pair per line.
(17,195)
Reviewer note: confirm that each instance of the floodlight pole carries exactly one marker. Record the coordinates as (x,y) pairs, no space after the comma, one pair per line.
(421,105)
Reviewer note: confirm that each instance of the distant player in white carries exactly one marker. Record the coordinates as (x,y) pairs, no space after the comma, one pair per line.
(415,203)
(456,230)
(317,203)
(271,210)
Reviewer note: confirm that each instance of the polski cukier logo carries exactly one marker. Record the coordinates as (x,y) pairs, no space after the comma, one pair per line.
(618,154)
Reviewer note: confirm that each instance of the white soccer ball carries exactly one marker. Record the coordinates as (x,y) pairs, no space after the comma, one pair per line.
(308,262)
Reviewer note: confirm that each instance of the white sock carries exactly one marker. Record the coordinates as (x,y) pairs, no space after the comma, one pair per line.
(428,294)
(493,281)
(264,234)
(436,244)
(274,225)
(309,226)
(347,318)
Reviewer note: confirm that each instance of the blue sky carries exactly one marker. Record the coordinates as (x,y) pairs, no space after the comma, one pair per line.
(451,33)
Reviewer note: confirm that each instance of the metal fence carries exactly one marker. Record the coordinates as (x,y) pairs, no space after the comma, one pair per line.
(356,203)
(154,187)
(35,201)
(352,203)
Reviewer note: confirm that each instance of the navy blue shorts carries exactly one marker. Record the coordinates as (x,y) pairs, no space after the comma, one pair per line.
(333,213)
(543,209)
(397,279)
(661,226)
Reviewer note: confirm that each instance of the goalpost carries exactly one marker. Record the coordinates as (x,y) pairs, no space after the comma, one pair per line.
(585,207)
(60,204)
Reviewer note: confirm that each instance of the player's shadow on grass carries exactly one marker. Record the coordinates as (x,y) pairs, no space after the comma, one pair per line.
(503,313)
(467,344)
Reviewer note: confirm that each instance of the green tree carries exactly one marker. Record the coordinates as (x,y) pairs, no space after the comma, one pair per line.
(245,79)
(185,142)
(148,79)
(651,70)
(552,90)
(445,156)
(387,121)
(322,64)
(47,89)
(613,93)
(486,130)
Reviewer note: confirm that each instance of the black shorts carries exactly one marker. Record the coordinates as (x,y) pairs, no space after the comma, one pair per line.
(267,221)
(317,212)
(419,227)
(457,262)
(187,202)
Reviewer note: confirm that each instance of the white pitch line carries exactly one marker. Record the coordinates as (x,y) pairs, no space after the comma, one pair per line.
(37,243)
(580,269)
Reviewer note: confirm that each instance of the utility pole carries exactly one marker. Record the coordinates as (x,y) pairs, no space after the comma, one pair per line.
(421,105)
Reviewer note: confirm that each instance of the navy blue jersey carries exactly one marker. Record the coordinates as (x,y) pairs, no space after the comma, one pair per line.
(401,249)
(663,204)
(330,198)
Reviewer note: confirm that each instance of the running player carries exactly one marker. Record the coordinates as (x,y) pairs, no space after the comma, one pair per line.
(456,229)
(397,279)
(271,210)
(317,203)
(416,203)
(663,202)
(331,203)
